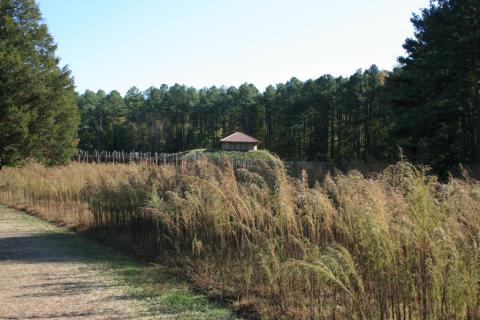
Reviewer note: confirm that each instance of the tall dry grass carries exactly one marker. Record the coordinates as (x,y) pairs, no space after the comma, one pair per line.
(400,245)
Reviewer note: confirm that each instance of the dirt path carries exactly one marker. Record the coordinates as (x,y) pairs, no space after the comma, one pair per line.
(49,273)
(42,276)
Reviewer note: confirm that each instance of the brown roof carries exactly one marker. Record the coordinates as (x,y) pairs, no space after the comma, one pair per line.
(240,137)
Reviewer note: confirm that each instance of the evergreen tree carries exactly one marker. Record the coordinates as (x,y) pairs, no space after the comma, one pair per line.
(38,115)
(435,94)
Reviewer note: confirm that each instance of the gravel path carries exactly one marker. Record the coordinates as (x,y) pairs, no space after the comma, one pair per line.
(43,276)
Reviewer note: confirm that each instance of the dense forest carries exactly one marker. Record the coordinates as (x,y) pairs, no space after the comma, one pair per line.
(324,119)
(428,108)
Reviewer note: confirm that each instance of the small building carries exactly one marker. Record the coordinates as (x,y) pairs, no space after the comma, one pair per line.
(239,141)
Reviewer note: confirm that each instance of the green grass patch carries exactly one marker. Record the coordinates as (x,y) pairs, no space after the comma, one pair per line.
(214,154)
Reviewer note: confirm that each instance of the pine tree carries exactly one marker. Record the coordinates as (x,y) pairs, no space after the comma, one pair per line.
(435,92)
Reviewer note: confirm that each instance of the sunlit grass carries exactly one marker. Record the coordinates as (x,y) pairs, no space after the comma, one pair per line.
(400,245)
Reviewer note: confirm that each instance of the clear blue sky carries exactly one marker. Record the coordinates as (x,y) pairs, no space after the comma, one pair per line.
(117,44)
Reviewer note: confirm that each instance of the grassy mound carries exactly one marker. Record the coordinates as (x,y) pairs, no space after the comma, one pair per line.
(215,154)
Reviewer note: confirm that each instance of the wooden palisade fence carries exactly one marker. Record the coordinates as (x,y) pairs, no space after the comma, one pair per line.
(177,159)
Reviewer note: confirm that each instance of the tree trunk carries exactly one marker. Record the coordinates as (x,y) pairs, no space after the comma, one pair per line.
(477,130)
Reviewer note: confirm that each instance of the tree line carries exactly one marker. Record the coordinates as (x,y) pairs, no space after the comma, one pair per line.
(428,107)
(324,119)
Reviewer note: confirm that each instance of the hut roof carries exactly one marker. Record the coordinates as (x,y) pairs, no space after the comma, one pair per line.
(240,137)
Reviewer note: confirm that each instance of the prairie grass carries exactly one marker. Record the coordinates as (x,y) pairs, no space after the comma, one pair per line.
(397,245)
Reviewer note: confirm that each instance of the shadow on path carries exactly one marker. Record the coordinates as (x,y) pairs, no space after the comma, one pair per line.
(49,247)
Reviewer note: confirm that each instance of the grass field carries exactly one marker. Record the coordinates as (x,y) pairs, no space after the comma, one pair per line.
(397,245)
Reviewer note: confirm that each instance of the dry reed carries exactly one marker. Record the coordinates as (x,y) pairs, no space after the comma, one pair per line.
(400,245)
